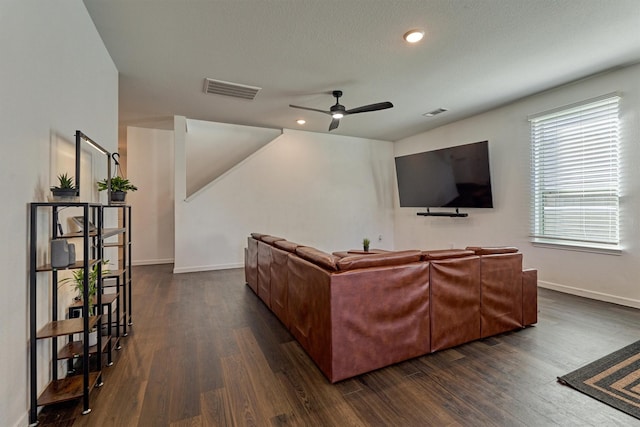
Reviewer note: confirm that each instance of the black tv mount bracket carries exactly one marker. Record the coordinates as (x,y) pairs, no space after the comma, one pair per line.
(456,214)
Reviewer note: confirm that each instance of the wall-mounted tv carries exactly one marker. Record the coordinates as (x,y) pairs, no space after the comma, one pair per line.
(456,177)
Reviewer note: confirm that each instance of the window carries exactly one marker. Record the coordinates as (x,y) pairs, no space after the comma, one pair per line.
(574,166)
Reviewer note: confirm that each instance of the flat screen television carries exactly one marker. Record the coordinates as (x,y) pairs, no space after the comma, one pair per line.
(456,177)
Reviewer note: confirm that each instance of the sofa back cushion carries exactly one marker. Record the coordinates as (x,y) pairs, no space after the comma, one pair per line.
(286,245)
(378,260)
(270,239)
(479,250)
(317,257)
(446,254)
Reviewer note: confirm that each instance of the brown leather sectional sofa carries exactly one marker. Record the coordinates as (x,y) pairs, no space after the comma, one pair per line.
(353,313)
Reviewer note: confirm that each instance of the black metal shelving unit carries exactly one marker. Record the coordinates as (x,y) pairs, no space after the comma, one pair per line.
(93,241)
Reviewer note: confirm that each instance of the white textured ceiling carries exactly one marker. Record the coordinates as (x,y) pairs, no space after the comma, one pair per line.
(476,55)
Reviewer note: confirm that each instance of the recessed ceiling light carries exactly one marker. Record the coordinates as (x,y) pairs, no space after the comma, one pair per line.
(413,36)
(301,121)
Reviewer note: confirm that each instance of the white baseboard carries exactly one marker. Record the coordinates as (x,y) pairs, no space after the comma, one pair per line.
(628,302)
(207,268)
(152,261)
(24,420)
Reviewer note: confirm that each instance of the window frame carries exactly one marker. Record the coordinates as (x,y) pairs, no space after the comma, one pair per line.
(553,196)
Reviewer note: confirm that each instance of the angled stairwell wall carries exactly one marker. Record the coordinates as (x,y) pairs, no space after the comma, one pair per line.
(214,148)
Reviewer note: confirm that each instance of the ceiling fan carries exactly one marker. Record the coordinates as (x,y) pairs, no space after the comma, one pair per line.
(337,111)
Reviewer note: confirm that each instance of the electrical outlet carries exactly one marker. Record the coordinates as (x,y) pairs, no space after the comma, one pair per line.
(380,238)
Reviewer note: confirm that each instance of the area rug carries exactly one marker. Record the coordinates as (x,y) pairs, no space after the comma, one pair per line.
(614,379)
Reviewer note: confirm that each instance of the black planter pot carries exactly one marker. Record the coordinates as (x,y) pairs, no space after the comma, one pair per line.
(118,196)
(63,192)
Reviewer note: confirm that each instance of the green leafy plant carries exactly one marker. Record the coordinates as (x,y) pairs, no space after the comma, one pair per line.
(78,282)
(117,184)
(365,243)
(65,182)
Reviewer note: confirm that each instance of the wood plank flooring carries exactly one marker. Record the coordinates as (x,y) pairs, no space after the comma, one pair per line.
(205,351)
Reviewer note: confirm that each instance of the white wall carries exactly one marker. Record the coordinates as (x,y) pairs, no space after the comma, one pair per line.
(321,190)
(150,167)
(55,77)
(607,277)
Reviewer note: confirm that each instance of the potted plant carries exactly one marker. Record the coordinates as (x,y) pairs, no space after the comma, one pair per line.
(78,282)
(65,187)
(365,244)
(119,187)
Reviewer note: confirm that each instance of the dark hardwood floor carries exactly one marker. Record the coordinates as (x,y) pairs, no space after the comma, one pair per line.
(205,351)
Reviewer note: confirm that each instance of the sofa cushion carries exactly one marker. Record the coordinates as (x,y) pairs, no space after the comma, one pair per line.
(286,245)
(270,239)
(378,260)
(317,257)
(446,254)
(351,252)
(479,250)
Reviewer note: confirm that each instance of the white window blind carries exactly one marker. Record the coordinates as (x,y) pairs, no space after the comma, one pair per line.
(575,174)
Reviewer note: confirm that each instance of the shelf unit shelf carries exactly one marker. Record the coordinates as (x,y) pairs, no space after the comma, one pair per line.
(105,233)
(59,328)
(65,389)
(74,266)
(113,274)
(75,349)
(106,299)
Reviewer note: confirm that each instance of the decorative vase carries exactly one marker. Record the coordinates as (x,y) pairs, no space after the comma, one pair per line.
(93,338)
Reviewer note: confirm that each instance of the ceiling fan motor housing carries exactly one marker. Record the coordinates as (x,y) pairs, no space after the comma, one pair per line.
(337,108)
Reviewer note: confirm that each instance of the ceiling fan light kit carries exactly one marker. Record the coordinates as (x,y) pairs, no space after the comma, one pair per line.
(337,111)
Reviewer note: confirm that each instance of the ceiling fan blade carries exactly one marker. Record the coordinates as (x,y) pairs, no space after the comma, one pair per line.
(310,109)
(370,107)
(334,124)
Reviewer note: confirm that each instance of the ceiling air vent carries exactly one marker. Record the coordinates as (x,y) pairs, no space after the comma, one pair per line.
(435,112)
(218,87)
